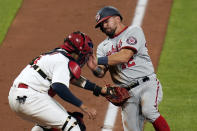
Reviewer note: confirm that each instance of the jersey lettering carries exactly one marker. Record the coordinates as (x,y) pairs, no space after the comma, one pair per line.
(115,49)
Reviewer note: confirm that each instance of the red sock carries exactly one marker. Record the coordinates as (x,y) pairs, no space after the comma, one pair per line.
(160,124)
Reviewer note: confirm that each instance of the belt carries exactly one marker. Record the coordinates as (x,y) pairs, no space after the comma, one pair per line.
(21,85)
(133,85)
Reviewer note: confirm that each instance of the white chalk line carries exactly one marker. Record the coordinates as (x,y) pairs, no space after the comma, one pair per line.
(112,111)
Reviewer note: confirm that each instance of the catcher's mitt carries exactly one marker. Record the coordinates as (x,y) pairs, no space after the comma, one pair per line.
(117,95)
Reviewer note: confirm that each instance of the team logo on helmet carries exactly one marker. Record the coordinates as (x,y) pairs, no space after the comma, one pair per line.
(98,17)
(131,40)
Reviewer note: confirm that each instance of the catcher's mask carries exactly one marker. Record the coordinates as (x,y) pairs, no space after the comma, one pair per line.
(79,43)
(105,13)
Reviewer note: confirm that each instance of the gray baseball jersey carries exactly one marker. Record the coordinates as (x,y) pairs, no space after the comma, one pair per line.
(139,65)
(148,94)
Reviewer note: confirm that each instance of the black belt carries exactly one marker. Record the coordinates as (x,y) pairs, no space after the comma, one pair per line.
(37,68)
(144,79)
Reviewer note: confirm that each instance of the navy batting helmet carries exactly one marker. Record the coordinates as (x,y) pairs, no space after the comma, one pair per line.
(105,13)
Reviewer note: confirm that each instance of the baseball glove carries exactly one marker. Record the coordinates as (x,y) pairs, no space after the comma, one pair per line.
(117,95)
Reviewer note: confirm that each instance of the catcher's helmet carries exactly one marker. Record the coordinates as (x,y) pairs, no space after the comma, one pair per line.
(79,43)
(105,13)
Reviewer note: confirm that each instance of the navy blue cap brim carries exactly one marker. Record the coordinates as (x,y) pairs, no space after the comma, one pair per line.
(101,20)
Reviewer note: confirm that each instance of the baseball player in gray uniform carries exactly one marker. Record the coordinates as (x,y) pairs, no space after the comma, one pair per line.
(124,54)
(31,95)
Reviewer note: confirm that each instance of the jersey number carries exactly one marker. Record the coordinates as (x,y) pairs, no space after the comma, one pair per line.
(129,64)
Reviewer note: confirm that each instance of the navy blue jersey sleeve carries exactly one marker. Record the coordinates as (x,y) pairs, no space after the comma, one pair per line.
(66,94)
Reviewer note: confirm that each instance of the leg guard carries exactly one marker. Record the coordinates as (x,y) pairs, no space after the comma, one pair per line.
(79,121)
(160,124)
(79,117)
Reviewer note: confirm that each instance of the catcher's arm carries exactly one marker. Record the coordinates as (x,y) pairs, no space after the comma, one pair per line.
(116,95)
(88,85)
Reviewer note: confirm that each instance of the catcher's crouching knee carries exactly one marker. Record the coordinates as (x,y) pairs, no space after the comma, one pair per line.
(72,123)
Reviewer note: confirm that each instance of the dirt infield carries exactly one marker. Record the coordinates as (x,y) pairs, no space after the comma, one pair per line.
(40,25)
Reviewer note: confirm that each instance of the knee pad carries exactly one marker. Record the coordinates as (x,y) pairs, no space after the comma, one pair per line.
(66,124)
(79,117)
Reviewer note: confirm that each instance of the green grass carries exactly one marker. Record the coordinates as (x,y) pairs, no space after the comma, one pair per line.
(178,68)
(8,9)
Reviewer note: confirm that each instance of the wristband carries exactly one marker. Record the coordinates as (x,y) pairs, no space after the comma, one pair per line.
(93,87)
(97,90)
(89,85)
(103,60)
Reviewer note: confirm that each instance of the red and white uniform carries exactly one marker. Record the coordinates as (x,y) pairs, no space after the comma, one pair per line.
(147,95)
(39,107)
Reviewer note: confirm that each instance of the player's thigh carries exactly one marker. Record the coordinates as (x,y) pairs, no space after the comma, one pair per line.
(131,117)
(12,99)
(40,108)
(150,99)
(44,110)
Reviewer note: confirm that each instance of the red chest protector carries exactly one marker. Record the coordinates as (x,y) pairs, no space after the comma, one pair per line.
(75,69)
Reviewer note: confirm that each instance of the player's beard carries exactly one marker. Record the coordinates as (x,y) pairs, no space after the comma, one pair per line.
(110,33)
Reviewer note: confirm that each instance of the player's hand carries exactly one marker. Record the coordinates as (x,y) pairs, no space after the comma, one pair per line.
(90,111)
(104,90)
(92,62)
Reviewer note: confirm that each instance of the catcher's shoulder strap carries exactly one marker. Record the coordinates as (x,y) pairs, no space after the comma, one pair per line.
(64,53)
(37,68)
(40,71)
(59,50)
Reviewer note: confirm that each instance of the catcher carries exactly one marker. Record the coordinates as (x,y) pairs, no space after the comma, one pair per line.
(31,95)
